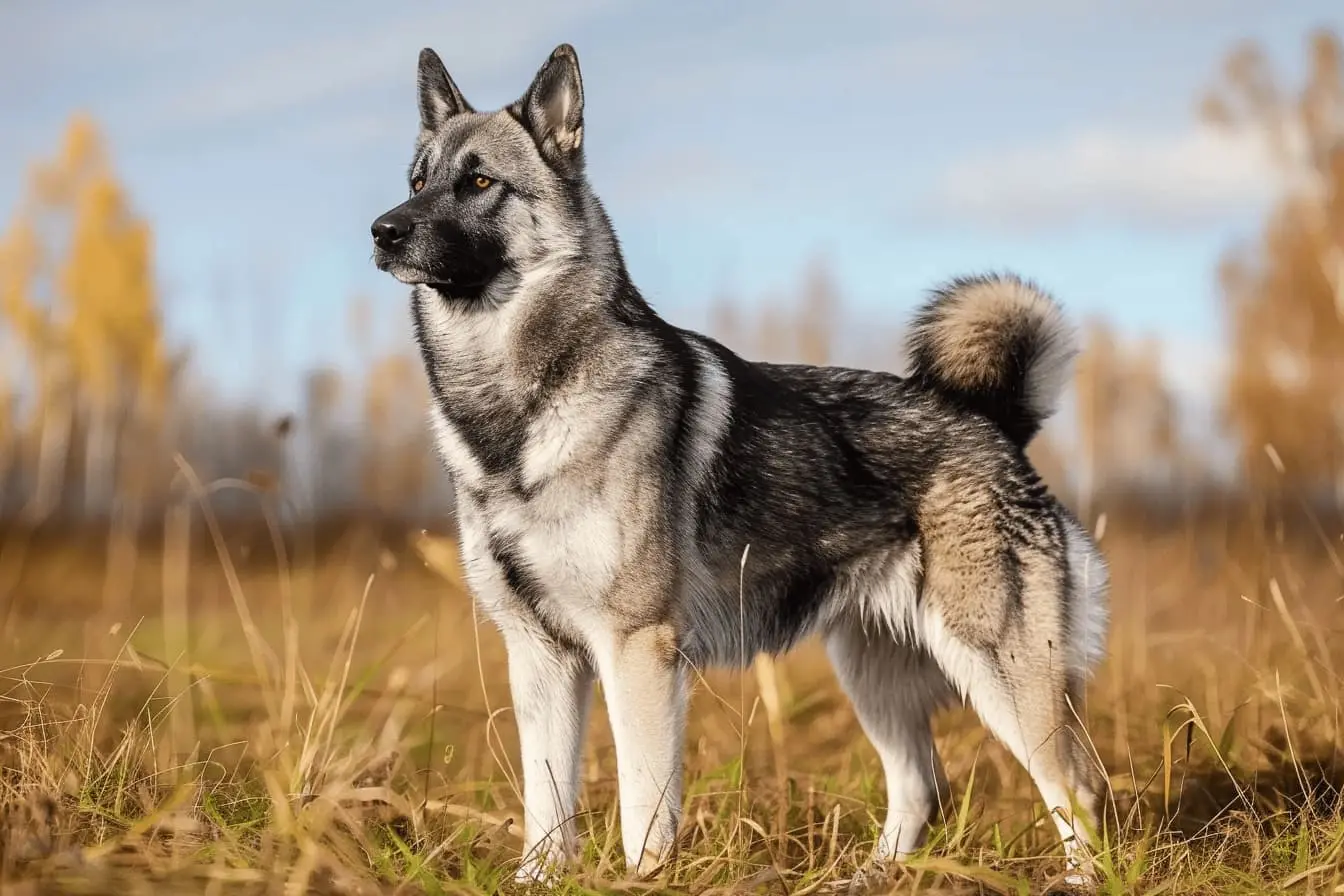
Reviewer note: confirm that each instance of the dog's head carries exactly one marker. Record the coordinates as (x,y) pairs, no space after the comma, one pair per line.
(492,194)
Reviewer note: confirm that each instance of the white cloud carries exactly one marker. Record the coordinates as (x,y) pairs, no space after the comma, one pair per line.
(1182,179)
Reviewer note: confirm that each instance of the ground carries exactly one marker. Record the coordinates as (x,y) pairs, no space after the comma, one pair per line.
(244,711)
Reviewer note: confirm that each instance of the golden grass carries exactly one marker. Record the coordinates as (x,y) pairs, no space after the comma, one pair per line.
(276,712)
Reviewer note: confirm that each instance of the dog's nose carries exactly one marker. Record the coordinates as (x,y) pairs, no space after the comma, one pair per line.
(391,229)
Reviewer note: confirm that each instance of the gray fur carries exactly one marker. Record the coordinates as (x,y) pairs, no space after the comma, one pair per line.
(634,499)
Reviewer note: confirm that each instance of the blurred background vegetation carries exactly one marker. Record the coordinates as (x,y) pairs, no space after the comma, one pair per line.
(1225,542)
(95,402)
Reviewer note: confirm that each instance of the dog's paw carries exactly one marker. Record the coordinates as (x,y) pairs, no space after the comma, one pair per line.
(1077,880)
(651,864)
(543,867)
(537,872)
(878,876)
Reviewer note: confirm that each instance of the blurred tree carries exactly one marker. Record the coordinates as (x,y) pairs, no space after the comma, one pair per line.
(1126,416)
(322,397)
(1285,296)
(396,449)
(77,291)
(726,322)
(820,305)
(800,328)
(41,441)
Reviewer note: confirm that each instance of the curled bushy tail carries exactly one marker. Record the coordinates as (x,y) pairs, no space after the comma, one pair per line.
(996,345)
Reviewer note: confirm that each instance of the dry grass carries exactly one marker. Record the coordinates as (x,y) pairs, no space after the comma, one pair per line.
(246,711)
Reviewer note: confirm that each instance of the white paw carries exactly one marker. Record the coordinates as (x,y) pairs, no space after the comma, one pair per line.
(650,864)
(541,868)
(877,876)
(1078,875)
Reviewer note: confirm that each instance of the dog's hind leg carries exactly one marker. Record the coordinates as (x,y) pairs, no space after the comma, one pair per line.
(1027,692)
(895,688)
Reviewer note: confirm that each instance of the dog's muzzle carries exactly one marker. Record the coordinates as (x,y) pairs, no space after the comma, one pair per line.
(440,255)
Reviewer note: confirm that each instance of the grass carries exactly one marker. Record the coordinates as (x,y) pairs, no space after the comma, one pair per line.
(263,711)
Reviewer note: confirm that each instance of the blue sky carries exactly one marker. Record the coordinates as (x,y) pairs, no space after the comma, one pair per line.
(732,142)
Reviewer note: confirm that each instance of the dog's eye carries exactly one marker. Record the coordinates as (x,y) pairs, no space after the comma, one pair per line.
(418,185)
(482,182)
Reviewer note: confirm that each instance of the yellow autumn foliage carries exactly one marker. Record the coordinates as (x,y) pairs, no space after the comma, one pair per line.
(1285,296)
(78,301)
(86,377)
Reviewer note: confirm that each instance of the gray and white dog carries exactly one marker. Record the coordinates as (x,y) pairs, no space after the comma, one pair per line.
(636,500)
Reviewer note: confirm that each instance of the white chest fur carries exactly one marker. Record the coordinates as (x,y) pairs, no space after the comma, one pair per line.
(569,538)
(566,531)
(561,511)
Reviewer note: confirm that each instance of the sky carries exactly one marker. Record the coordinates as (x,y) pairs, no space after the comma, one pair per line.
(733,143)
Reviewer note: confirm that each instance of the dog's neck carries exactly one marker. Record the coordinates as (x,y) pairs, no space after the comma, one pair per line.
(582,275)
(516,341)
(550,354)
(531,332)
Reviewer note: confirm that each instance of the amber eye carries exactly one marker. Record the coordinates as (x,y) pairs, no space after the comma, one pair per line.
(482,181)
(418,185)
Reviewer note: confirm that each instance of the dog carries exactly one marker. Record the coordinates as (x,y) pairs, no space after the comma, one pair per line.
(635,500)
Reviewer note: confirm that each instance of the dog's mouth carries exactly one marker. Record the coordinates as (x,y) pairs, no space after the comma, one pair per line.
(467,284)
(406,273)
(452,289)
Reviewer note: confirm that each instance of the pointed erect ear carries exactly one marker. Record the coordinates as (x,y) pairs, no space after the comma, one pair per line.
(440,99)
(552,108)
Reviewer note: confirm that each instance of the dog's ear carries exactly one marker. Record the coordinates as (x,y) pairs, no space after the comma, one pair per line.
(440,99)
(552,108)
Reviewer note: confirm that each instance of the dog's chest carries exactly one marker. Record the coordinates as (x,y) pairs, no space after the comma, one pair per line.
(546,558)
(498,419)
(535,470)
(547,526)
(569,538)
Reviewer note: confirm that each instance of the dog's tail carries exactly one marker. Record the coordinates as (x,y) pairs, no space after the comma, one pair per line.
(996,345)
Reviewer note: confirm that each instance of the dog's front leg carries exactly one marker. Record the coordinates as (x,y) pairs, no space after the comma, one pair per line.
(552,688)
(643,678)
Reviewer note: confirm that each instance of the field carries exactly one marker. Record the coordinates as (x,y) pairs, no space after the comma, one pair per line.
(240,708)
(228,662)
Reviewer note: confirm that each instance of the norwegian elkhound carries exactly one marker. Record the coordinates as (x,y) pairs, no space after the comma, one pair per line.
(635,500)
